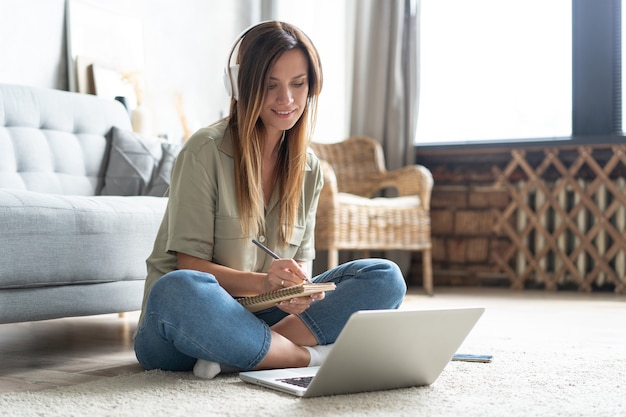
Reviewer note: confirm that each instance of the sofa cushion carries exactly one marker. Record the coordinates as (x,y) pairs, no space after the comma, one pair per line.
(55,141)
(138,165)
(62,240)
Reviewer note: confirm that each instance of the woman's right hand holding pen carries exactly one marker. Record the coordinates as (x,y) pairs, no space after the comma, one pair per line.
(286,273)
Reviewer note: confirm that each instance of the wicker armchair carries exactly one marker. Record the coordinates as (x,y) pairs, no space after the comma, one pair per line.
(349,215)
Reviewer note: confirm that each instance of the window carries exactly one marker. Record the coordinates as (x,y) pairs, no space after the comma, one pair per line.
(493,70)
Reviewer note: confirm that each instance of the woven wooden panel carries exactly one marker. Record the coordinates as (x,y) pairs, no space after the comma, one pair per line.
(566,219)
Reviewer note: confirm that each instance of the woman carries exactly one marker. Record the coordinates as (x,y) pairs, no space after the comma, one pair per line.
(251,176)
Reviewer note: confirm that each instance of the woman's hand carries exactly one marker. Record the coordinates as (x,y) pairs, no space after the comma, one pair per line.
(286,273)
(283,273)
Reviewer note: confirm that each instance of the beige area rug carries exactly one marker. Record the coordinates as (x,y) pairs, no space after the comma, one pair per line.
(554,355)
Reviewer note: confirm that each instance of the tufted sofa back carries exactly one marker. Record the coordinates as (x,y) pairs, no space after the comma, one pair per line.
(54,141)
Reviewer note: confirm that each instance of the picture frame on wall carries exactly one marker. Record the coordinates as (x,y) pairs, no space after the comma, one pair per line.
(110,83)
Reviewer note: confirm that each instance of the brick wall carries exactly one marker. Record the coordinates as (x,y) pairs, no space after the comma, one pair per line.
(462,218)
(463,239)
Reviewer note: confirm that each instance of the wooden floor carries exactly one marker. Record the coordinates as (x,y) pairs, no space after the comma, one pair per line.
(51,353)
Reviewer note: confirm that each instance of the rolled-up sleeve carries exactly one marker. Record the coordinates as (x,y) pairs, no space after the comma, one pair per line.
(192,207)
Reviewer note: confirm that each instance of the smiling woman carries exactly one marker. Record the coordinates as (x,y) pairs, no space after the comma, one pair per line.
(252,176)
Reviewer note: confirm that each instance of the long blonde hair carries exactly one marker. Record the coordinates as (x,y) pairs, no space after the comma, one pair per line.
(259,48)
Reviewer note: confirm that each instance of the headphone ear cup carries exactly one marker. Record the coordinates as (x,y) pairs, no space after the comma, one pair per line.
(231,78)
(234,73)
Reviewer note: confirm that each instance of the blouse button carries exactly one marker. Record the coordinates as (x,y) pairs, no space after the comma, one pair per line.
(261,239)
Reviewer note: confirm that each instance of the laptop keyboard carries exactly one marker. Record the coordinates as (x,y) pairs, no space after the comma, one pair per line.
(300,381)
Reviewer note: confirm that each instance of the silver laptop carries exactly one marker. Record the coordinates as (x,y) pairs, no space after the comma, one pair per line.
(379,350)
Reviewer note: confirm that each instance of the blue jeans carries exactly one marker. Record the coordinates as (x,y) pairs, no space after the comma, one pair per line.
(189,316)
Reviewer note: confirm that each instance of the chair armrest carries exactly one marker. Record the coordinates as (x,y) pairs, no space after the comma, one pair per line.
(410,180)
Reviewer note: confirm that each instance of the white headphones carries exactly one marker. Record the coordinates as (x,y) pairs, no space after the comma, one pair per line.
(231,72)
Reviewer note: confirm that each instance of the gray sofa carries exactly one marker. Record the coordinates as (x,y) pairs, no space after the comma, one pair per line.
(80,204)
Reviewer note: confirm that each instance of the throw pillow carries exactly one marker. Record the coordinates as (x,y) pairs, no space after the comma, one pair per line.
(137,165)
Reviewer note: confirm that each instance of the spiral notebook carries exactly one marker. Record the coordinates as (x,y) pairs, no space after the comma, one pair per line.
(269,299)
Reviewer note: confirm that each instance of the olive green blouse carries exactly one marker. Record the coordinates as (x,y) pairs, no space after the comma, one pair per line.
(202,218)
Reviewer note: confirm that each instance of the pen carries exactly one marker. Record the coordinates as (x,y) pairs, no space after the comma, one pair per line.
(266,249)
(269,252)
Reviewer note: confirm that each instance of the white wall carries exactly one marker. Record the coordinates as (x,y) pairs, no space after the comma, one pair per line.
(32,49)
(185,47)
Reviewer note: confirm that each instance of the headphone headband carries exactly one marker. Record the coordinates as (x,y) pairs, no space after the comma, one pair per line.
(231,72)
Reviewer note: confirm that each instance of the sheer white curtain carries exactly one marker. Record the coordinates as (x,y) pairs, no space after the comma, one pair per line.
(385,86)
